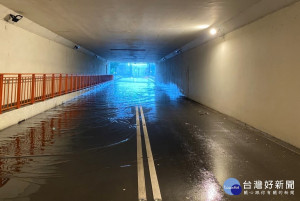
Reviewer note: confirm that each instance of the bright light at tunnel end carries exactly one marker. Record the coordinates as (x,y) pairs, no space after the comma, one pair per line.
(213,31)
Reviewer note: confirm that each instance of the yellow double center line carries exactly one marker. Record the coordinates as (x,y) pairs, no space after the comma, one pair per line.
(140,165)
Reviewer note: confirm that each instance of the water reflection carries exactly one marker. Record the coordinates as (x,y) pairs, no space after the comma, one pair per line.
(207,168)
(31,151)
(27,157)
(88,129)
(206,188)
(17,150)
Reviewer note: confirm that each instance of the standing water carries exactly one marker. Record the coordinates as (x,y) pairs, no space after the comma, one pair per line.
(86,149)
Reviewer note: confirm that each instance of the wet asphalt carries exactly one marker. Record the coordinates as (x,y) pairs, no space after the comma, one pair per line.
(86,150)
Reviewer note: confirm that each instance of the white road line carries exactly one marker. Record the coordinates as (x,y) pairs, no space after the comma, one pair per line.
(140,165)
(153,175)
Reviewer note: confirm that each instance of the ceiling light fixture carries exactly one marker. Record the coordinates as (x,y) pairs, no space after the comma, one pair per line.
(213,31)
(135,50)
(203,26)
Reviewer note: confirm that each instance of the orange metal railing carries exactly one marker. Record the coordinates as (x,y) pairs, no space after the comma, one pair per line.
(17,90)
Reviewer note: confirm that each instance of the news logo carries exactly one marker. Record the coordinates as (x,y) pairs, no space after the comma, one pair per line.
(232,186)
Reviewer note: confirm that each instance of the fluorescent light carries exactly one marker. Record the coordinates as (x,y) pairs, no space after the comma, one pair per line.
(213,31)
(203,26)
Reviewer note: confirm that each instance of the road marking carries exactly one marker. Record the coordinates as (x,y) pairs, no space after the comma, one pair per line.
(153,175)
(140,165)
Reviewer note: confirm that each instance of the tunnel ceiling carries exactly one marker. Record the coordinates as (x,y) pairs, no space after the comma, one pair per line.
(129,30)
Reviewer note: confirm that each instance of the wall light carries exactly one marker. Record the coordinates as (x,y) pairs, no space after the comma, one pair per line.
(13,18)
(76,47)
(16,18)
(213,31)
(178,51)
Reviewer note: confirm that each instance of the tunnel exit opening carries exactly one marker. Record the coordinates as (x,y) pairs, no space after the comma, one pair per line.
(130,69)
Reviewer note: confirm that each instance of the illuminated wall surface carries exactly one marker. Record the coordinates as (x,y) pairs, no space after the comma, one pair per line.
(26,52)
(251,74)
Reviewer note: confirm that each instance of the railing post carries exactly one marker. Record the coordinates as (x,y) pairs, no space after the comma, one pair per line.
(33,89)
(79,82)
(44,87)
(1,91)
(19,91)
(71,81)
(89,81)
(83,81)
(76,82)
(53,85)
(59,84)
(66,82)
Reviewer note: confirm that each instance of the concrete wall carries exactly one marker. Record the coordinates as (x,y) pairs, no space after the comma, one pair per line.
(22,51)
(251,74)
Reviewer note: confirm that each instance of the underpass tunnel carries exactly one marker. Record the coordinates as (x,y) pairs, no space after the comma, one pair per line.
(167,100)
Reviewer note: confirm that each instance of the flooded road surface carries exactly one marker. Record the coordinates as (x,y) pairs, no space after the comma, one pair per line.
(86,150)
